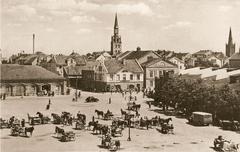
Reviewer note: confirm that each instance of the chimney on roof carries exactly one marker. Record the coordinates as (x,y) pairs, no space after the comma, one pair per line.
(138,48)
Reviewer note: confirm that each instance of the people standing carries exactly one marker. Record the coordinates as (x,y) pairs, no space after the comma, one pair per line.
(23,123)
(48,107)
(109,100)
(149,105)
(49,101)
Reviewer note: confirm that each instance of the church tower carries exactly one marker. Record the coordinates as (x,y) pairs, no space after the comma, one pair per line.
(116,43)
(230,46)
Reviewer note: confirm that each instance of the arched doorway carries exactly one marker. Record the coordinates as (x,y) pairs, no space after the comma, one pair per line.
(20,90)
(46,88)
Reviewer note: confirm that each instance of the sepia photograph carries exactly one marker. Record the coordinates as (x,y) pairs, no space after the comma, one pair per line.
(120,75)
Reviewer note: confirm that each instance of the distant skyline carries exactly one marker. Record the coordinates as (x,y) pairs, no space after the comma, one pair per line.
(85,26)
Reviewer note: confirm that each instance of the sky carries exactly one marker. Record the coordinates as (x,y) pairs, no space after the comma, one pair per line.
(61,26)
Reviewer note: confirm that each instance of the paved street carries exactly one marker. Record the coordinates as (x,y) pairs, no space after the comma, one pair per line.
(186,138)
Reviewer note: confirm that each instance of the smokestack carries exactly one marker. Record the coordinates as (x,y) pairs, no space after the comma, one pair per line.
(33,43)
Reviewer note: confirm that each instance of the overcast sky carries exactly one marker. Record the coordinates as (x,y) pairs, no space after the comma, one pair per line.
(85,26)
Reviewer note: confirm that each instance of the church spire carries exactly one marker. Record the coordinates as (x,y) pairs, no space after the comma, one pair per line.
(230,46)
(116,21)
(230,36)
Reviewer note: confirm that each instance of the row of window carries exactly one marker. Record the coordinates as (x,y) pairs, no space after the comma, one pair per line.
(155,73)
(124,77)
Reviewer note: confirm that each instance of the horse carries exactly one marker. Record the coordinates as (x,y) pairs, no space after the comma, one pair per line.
(136,106)
(82,118)
(56,118)
(44,119)
(97,127)
(117,143)
(92,123)
(99,113)
(123,112)
(162,121)
(29,129)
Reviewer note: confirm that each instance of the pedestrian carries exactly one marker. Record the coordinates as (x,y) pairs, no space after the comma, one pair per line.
(93,119)
(79,94)
(135,98)
(23,123)
(49,101)
(48,107)
(4,96)
(110,100)
(149,105)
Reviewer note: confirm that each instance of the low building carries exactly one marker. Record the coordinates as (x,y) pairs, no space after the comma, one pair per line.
(29,80)
(180,63)
(234,60)
(216,61)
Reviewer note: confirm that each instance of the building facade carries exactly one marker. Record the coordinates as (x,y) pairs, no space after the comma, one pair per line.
(113,75)
(28,80)
(156,68)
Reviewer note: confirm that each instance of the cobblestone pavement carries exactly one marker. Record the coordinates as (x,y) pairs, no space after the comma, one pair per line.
(186,138)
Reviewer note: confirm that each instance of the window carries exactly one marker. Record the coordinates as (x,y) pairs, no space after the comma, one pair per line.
(151,74)
(118,77)
(100,68)
(151,83)
(124,76)
(160,73)
(111,77)
(138,76)
(131,77)
(155,73)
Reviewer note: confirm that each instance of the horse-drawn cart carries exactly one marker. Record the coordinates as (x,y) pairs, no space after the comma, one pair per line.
(112,145)
(3,123)
(79,125)
(116,131)
(68,136)
(34,120)
(17,131)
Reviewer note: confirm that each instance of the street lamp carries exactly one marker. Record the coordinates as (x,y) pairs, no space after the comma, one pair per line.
(129,121)
(76,89)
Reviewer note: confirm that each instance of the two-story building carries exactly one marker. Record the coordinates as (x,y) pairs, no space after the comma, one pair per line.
(112,75)
(156,68)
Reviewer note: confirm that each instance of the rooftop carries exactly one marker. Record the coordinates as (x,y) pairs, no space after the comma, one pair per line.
(26,72)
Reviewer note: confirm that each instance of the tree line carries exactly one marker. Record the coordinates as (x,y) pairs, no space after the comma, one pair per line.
(188,96)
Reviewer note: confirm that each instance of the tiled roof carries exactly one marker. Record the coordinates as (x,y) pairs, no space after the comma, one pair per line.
(113,66)
(180,55)
(60,59)
(235,56)
(74,70)
(80,60)
(26,72)
(132,66)
(123,54)
(30,59)
(138,54)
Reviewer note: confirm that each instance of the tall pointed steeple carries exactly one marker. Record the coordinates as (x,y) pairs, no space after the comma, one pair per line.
(116,28)
(116,21)
(230,36)
(230,46)
(116,43)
